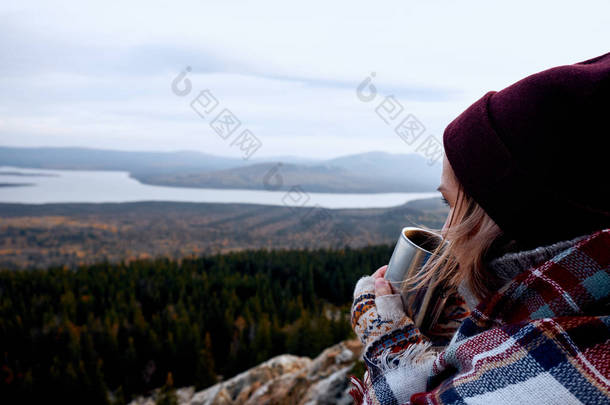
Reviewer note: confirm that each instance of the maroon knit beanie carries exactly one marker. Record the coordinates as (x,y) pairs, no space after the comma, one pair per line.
(535,155)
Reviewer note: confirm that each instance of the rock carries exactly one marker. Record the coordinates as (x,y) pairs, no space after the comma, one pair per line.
(240,388)
(184,396)
(332,390)
(284,380)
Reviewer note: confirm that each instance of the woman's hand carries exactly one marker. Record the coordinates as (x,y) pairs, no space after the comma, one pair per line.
(382,287)
(376,310)
(454,312)
(394,349)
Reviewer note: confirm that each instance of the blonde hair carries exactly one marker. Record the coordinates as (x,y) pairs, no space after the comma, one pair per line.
(469,236)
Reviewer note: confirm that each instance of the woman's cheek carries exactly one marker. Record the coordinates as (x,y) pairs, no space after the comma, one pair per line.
(446,224)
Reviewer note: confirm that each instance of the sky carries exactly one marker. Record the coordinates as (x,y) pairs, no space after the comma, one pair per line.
(99,73)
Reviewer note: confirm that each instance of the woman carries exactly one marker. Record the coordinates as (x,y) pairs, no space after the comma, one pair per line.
(524,175)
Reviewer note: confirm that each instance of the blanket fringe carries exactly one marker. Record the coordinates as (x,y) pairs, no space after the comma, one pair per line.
(416,354)
(357,392)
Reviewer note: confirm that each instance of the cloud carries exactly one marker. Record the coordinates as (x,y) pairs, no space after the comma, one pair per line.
(98,73)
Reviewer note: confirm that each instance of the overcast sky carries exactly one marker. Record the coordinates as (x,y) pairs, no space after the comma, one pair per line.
(99,73)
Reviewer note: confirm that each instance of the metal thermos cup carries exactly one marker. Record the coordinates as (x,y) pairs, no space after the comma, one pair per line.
(412,251)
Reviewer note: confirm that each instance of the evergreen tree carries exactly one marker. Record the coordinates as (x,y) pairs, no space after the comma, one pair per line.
(73,336)
(167,394)
(204,375)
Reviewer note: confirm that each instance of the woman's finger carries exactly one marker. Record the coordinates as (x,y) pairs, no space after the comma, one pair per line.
(380,273)
(382,287)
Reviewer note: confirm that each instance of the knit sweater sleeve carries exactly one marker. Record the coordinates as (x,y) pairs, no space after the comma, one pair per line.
(398,357)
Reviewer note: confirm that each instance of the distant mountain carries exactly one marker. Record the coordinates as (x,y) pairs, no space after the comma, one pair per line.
(288,159)
(101,159)
(319,178)
(372,172)
(411,168)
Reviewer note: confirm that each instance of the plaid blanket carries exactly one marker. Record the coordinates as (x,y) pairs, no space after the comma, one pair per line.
(544,338)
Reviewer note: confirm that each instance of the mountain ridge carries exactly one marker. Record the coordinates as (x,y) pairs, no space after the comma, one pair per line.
(369,172)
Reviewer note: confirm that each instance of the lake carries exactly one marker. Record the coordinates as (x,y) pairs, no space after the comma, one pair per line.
(84,186)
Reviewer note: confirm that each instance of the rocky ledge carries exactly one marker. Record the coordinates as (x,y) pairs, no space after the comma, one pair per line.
(282,380)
